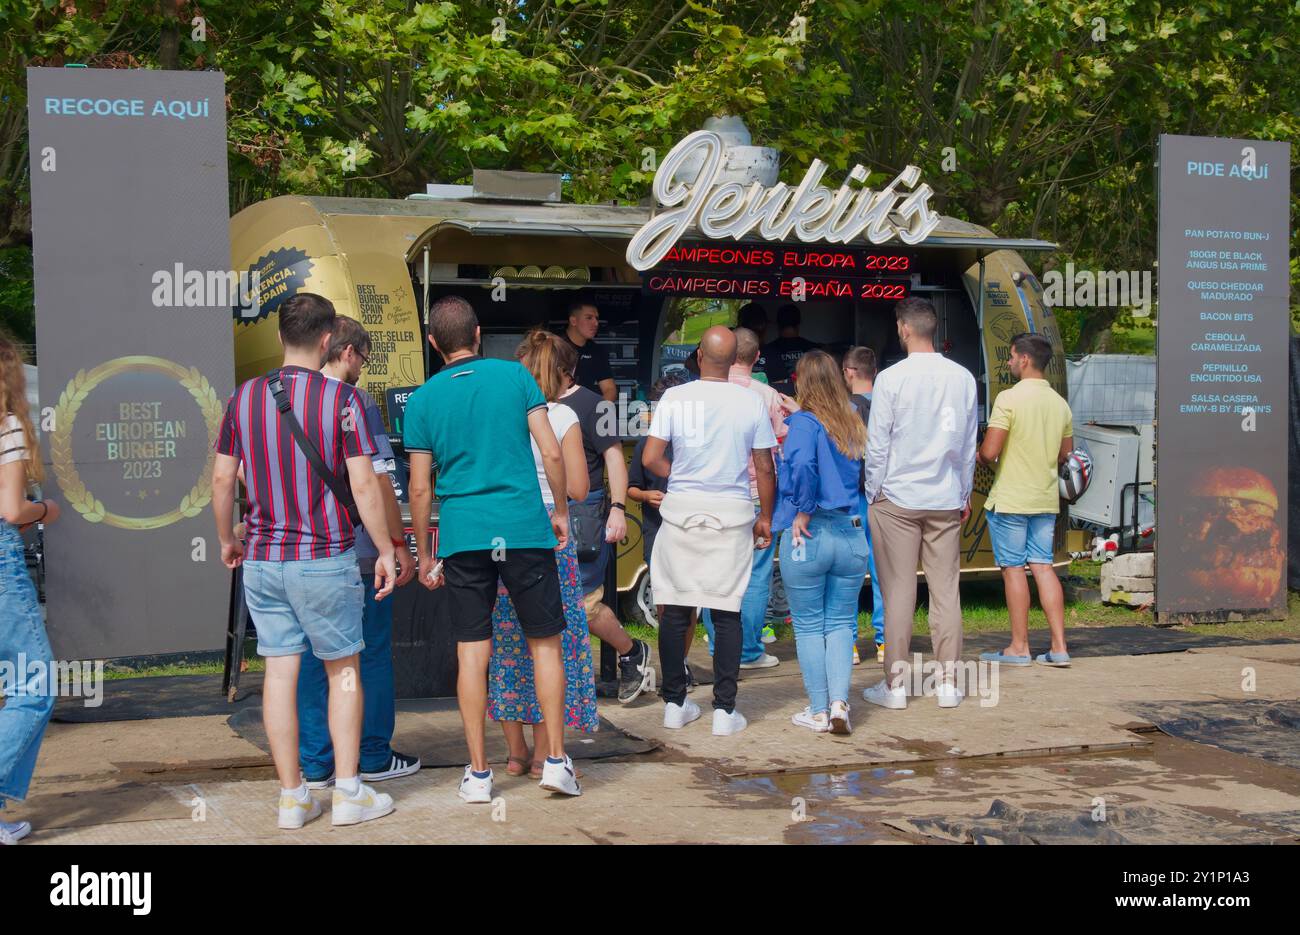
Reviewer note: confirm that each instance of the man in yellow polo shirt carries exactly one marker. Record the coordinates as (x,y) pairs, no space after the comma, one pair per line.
(1029,436)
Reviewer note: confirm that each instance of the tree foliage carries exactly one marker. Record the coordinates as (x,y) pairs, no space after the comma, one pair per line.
(1036,118)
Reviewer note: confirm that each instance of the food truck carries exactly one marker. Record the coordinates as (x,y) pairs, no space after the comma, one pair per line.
(714,239)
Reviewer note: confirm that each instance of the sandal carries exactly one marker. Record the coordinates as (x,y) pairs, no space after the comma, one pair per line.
(517,765)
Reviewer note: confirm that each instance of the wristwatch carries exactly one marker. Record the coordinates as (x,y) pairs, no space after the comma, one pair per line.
(618,506)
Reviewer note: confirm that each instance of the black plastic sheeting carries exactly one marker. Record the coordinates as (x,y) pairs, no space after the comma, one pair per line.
(1293,473)
(1097,641)
(1004,823)
(139,699)
(439,740)
(1267,730)
(136,699)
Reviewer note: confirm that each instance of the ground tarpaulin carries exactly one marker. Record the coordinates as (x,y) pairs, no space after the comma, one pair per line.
(431,729)
(1100,641)
(1004,823)
(139,699)
(1269,730)
(134,699)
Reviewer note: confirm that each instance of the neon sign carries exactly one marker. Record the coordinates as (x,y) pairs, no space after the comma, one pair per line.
(760,286)
(791,259)
(809,211)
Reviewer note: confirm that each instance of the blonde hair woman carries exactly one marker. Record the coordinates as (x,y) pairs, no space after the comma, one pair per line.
(823,544)
(512,693)
(29,698)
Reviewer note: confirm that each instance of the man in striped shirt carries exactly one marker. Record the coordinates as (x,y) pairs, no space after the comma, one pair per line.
(301,578)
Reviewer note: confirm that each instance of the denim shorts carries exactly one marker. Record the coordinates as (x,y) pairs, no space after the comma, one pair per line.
(314,605)
(1021,539)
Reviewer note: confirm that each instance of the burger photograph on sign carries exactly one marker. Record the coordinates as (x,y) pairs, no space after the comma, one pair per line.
(1228,538)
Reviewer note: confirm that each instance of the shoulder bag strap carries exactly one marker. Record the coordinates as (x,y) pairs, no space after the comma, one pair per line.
(342,493)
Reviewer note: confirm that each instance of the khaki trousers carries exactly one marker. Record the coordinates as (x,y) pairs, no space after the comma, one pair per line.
(902,538)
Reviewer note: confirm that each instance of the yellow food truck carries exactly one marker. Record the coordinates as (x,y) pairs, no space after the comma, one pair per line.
(518,253)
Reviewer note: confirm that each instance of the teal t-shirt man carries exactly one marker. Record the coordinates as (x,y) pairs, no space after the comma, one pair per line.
(472,417)
(469,432)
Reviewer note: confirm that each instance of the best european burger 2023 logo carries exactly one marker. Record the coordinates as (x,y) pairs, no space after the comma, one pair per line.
(142,426)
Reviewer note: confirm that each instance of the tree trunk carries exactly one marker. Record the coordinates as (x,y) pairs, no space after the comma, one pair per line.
(169,44)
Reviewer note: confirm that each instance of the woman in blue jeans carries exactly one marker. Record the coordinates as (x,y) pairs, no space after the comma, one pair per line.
(24,648)
(823,544)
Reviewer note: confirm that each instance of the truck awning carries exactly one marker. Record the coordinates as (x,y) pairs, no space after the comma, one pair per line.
(986,245)
(625,231)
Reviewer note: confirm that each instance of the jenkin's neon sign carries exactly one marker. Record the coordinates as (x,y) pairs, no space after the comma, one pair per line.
(810,210)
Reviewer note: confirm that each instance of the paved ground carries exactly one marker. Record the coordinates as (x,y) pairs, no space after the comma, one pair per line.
(1054,749)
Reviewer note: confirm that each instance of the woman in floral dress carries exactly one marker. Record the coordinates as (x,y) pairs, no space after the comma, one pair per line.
(512,697)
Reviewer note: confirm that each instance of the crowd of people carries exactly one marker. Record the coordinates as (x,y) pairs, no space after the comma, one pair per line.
(771,449)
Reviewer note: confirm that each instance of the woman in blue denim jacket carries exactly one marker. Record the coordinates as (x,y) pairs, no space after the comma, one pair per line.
(25,655)
(823,544)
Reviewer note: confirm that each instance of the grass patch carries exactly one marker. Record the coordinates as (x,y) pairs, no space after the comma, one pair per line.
(255,664)
(252,663)
(1088,572)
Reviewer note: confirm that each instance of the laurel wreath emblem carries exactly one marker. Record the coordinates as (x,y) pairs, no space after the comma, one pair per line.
(79,388)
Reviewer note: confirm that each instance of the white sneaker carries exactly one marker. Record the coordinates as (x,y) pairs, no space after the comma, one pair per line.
(886,697)
(725,724)
(839,718)
(295,812)
(474,790)
(679,715)
(814,722)
(949,695)
(11,832)
(560,777)
(366,805)
(765,661)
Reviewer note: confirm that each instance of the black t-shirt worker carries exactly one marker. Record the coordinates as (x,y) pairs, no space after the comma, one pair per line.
(782,354)
(594,371)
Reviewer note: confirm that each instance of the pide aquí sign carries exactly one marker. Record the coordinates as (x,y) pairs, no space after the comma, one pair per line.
(688,184)
(1222,387)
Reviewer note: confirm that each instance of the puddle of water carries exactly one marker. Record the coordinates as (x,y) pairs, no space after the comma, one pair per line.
(1176,762)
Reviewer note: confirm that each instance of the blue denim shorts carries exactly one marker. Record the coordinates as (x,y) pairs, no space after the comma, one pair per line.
(314,605)
(1020,539)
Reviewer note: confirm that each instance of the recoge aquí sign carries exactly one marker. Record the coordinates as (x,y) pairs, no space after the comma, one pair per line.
(130,234)
(809,211)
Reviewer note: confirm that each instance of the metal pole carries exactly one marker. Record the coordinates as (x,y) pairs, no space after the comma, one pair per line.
(984,351)
(428,364)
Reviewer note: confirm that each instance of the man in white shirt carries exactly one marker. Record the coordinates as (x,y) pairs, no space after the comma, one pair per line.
(919,470)
(703,552)
(753,610)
